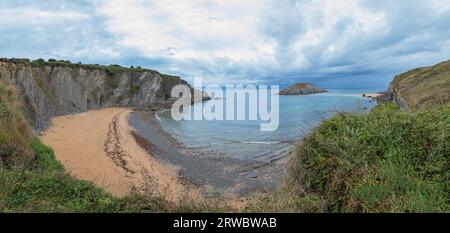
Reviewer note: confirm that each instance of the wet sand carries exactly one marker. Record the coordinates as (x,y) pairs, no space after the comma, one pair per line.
(99,146)
(218,176)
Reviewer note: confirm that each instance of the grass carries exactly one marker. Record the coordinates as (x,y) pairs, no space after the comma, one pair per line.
(385,161)
(425,88)
(32,180)
(43,186)
(14,130)
(388,160)
(110,70)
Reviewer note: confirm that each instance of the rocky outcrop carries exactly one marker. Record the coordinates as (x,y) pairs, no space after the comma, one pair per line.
(392,95)
(421,88)
(302,89)
(49,89)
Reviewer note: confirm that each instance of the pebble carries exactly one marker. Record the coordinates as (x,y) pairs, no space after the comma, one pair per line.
(252,174)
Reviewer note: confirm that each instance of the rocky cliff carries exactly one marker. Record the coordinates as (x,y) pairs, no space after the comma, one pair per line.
(49,89)
(302,89)
(421,88)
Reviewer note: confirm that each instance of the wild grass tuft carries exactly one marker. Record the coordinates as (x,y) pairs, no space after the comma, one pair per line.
(14,130)
(385,161)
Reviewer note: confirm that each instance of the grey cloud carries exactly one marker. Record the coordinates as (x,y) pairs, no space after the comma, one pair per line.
(414,35)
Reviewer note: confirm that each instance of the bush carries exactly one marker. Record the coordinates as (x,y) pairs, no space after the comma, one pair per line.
(39,62)
(44,187)
(14,130)
(40,184)
(385,161)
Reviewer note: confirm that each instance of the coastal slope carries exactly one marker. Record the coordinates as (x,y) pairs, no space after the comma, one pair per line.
(302,89)
(421,88)
(387,160)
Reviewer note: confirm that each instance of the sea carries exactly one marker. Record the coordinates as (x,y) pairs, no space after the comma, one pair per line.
(243,139)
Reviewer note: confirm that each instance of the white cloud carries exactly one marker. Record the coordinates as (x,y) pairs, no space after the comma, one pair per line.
(36,16)
(262,37)
(199,29)
(226,40)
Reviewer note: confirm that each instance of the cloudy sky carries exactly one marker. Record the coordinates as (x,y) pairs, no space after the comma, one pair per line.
(345,43)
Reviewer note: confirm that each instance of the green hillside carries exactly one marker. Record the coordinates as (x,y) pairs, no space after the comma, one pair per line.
(422,88)
(389,160)
(386,161)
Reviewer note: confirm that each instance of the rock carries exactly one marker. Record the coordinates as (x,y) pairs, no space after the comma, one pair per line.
(211,194)
(302,89)
(421,88)
(252,175)
(48,90)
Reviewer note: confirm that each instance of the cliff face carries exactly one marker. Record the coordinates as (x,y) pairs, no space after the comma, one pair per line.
(421,88)
(302,89)
(48,90)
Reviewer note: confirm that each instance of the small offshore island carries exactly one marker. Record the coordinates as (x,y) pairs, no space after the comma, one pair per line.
(302,89)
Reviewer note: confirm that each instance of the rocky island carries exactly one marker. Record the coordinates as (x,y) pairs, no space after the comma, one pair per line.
(302,89)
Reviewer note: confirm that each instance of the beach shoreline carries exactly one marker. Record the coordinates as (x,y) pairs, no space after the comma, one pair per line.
(99,146)
(124,151)
(218,176)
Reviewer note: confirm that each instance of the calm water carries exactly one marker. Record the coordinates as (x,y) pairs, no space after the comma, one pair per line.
(243,140)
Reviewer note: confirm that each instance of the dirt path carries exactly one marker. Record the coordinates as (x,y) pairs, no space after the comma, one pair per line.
(100,146)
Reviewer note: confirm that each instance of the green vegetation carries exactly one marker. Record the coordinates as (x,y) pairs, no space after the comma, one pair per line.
(112,82)
(31,180)
(44,187)
(110,70)
(425,88)
(387,160)
(38,62)
(134,89)
(14,130)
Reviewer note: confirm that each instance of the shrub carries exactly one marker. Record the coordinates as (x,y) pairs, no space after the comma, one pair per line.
(39,62)
(386,161)
(14,130)
(44,187)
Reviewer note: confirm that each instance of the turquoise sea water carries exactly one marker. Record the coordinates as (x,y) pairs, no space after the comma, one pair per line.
(243,140)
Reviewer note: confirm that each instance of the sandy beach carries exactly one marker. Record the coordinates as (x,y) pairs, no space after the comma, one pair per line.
(218,175)
(100,146)
(103,147)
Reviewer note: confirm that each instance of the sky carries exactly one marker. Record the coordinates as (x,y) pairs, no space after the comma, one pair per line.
(335,44)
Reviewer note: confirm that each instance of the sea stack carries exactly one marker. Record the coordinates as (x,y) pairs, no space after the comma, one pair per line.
(302,89)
